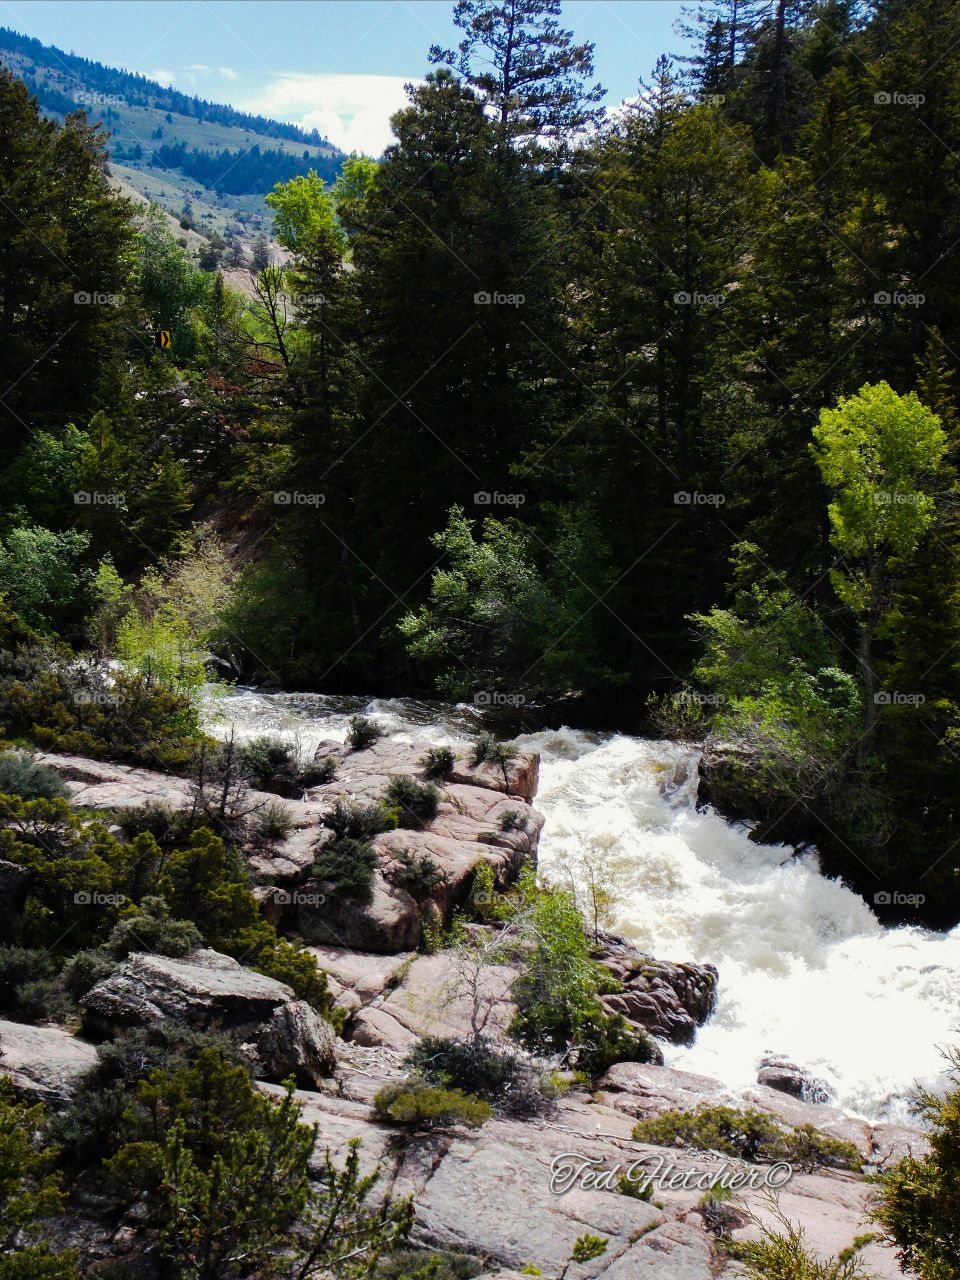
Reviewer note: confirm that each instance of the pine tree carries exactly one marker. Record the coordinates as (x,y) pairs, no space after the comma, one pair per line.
(526,68)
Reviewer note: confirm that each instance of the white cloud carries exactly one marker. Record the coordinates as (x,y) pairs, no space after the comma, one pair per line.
(353,111)
(199,66)
(163,76)
(228,73)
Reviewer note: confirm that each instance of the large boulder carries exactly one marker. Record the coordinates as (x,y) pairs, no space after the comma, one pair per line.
(668,1000)
(43,1064)
(212,992)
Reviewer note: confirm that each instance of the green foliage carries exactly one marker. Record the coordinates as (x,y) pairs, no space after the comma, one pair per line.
(273,822)
(271,764)
(420,1107)
(350,818)
(437,762)
(150,928)
(363,732)
(478,1067)
(495,617)
(513,820)
(41,574)
(749,1135)
(487,748)
(411,1264)
(347,866)
(29,1192)
(224,1170)
(556,994)
(785,1255)
(416,872)
(587,1247)
(24,777)
(414,802)
(919,1198)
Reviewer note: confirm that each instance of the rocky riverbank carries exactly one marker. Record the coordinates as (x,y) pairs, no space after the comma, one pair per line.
(392,992)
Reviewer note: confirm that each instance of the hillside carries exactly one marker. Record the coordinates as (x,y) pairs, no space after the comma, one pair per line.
(206,163)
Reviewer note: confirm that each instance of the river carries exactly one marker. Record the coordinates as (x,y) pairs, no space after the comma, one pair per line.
(806,970)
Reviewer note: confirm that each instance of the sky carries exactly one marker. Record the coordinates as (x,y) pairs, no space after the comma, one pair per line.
(335,65)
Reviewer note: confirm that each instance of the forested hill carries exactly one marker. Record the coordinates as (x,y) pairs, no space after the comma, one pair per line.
(168,145)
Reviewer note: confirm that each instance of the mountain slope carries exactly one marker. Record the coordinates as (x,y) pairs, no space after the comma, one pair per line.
(207,163)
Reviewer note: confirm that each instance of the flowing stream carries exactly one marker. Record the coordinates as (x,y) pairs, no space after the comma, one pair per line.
(806,970)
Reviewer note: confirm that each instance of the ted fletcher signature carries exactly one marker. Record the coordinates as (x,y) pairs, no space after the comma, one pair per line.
(571,1169)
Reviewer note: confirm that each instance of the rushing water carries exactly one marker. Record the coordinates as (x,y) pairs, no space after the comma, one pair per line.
(806,970)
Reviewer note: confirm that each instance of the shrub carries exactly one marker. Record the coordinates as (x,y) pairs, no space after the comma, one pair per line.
(359,821)
(437,762)
(416,872)
(273,822)
(29,1193)
(419,1106)
(587,1247)
(44,1000)
(85,970)
(919,1198)
(487,748)
(18,966)
(319,772)
(150,928)
(478,1067)
(415,802)
(270,763)
(363,732)
(165,824)
(348,866)
(513,820)
(417,1264)
(784,1255)
(719,1215)
(21,775)
(749,1135)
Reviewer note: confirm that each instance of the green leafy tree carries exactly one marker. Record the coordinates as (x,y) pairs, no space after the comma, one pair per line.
(41,573)
(878,453)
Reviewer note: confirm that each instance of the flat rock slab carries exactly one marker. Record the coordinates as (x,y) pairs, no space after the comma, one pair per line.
(44,1064)
(423,1003)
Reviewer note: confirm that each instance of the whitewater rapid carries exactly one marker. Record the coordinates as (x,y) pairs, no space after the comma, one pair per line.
(806,970)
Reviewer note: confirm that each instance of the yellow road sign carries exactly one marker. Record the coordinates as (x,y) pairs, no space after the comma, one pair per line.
(162,339)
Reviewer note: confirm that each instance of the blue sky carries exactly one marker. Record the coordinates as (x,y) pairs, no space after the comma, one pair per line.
(339,65)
